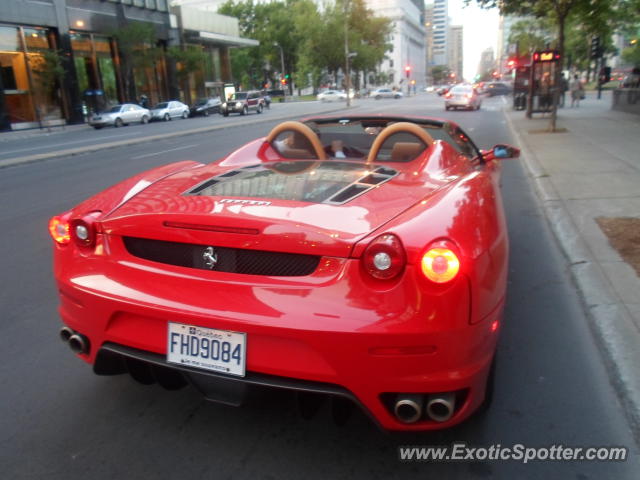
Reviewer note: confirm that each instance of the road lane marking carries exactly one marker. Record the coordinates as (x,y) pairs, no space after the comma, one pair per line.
(164,151)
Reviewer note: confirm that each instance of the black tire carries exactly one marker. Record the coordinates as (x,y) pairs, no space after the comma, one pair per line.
(97,127)
(205,113)
(260,108)
(144,120)
(446,108)
(118,123)
(185,115)
(166,117)
(245,110)
(225,114)
(377,97)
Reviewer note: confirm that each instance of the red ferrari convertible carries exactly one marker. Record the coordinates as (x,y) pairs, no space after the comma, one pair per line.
(364,257)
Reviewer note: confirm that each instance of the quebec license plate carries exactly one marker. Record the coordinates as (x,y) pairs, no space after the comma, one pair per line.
(207,348)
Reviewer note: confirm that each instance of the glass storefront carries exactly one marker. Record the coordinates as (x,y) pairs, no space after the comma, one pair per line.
(30,76)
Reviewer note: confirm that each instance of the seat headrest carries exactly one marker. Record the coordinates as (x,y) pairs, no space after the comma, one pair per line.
(406,151)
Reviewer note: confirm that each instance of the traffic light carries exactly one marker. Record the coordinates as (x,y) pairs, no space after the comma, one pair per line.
(596,50)
(407,71)
(283,81)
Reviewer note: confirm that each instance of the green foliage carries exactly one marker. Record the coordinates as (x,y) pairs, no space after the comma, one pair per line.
(530,35)
(311,41)
(137,43)
(189,59)
(49,69)
(631,55)
(440,74)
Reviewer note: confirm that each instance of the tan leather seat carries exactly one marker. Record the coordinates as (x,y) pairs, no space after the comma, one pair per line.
(406,151)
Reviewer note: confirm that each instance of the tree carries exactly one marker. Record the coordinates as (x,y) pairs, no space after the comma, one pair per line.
(440,74)
(49,71)
(189,59)
(595,13)
(138,52)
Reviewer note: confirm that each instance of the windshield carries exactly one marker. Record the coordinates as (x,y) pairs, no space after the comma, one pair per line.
(239,96)
(115,109)
(202,101)
(161,105)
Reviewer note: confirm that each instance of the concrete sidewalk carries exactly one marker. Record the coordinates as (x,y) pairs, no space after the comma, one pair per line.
(593,170)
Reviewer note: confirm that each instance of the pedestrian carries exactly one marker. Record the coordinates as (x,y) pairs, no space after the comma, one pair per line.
(575,87)
(564,86)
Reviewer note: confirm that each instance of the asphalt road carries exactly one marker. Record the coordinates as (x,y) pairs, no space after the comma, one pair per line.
(59,421)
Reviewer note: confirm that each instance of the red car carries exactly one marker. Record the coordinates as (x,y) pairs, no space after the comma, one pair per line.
(376,276)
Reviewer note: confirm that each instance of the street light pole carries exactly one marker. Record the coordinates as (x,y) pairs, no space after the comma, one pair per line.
(347,77)
(282,72)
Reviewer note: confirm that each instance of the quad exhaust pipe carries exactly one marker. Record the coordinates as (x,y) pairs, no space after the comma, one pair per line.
(409,408)
(440,407)
(78,343)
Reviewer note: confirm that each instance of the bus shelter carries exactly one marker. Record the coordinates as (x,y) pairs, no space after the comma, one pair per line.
(543,81)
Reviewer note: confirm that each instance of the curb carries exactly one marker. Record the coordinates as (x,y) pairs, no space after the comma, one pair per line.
(135,141)
(614,331)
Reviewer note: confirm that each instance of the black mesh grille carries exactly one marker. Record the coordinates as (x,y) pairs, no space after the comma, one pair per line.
(230,260)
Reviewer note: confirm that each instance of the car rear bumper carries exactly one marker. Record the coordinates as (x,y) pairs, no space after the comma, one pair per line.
(369,345)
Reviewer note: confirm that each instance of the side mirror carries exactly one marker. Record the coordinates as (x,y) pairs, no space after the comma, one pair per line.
(501,151)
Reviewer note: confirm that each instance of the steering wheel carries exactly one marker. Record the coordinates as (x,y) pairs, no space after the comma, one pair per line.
(302,129)
(404,127)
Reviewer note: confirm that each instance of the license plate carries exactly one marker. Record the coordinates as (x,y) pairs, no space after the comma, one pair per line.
(207,348)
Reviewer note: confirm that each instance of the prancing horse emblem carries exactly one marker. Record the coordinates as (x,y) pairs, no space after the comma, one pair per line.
(210,257)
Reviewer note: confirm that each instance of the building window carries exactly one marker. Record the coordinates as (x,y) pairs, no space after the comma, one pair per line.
(31,91)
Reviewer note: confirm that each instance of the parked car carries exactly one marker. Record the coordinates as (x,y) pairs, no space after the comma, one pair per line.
(120,115)
(332,96)
(386,93)
(493,89)
(462,96)
(243,103)
(167,110)
(206,106)
(379,277)
(442,89)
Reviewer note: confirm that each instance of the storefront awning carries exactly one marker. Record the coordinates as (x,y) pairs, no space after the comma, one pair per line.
(229,40)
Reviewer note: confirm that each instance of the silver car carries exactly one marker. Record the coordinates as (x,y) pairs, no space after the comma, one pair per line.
(386,93)
(332,96)
(462,96)
(168,110)
(120,115)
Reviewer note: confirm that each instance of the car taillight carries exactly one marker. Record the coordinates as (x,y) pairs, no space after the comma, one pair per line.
(83,230)
(440,264)
(469,95)
(59,230)
(448,95)
(384,258)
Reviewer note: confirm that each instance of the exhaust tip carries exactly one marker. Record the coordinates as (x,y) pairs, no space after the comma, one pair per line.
(408,408)
(79,343)
(440,407)
(66,333)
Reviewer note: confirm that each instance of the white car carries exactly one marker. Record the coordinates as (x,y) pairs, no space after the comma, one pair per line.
(168,110)
(120,115)
(462,96)
(386,93)
(332,96)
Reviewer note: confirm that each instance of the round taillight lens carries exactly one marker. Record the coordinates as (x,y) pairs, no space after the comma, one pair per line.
(384,258)
(83,231)
(59,230)
(440,265)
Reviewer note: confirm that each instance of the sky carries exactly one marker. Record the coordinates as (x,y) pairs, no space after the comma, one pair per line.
(479,33)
